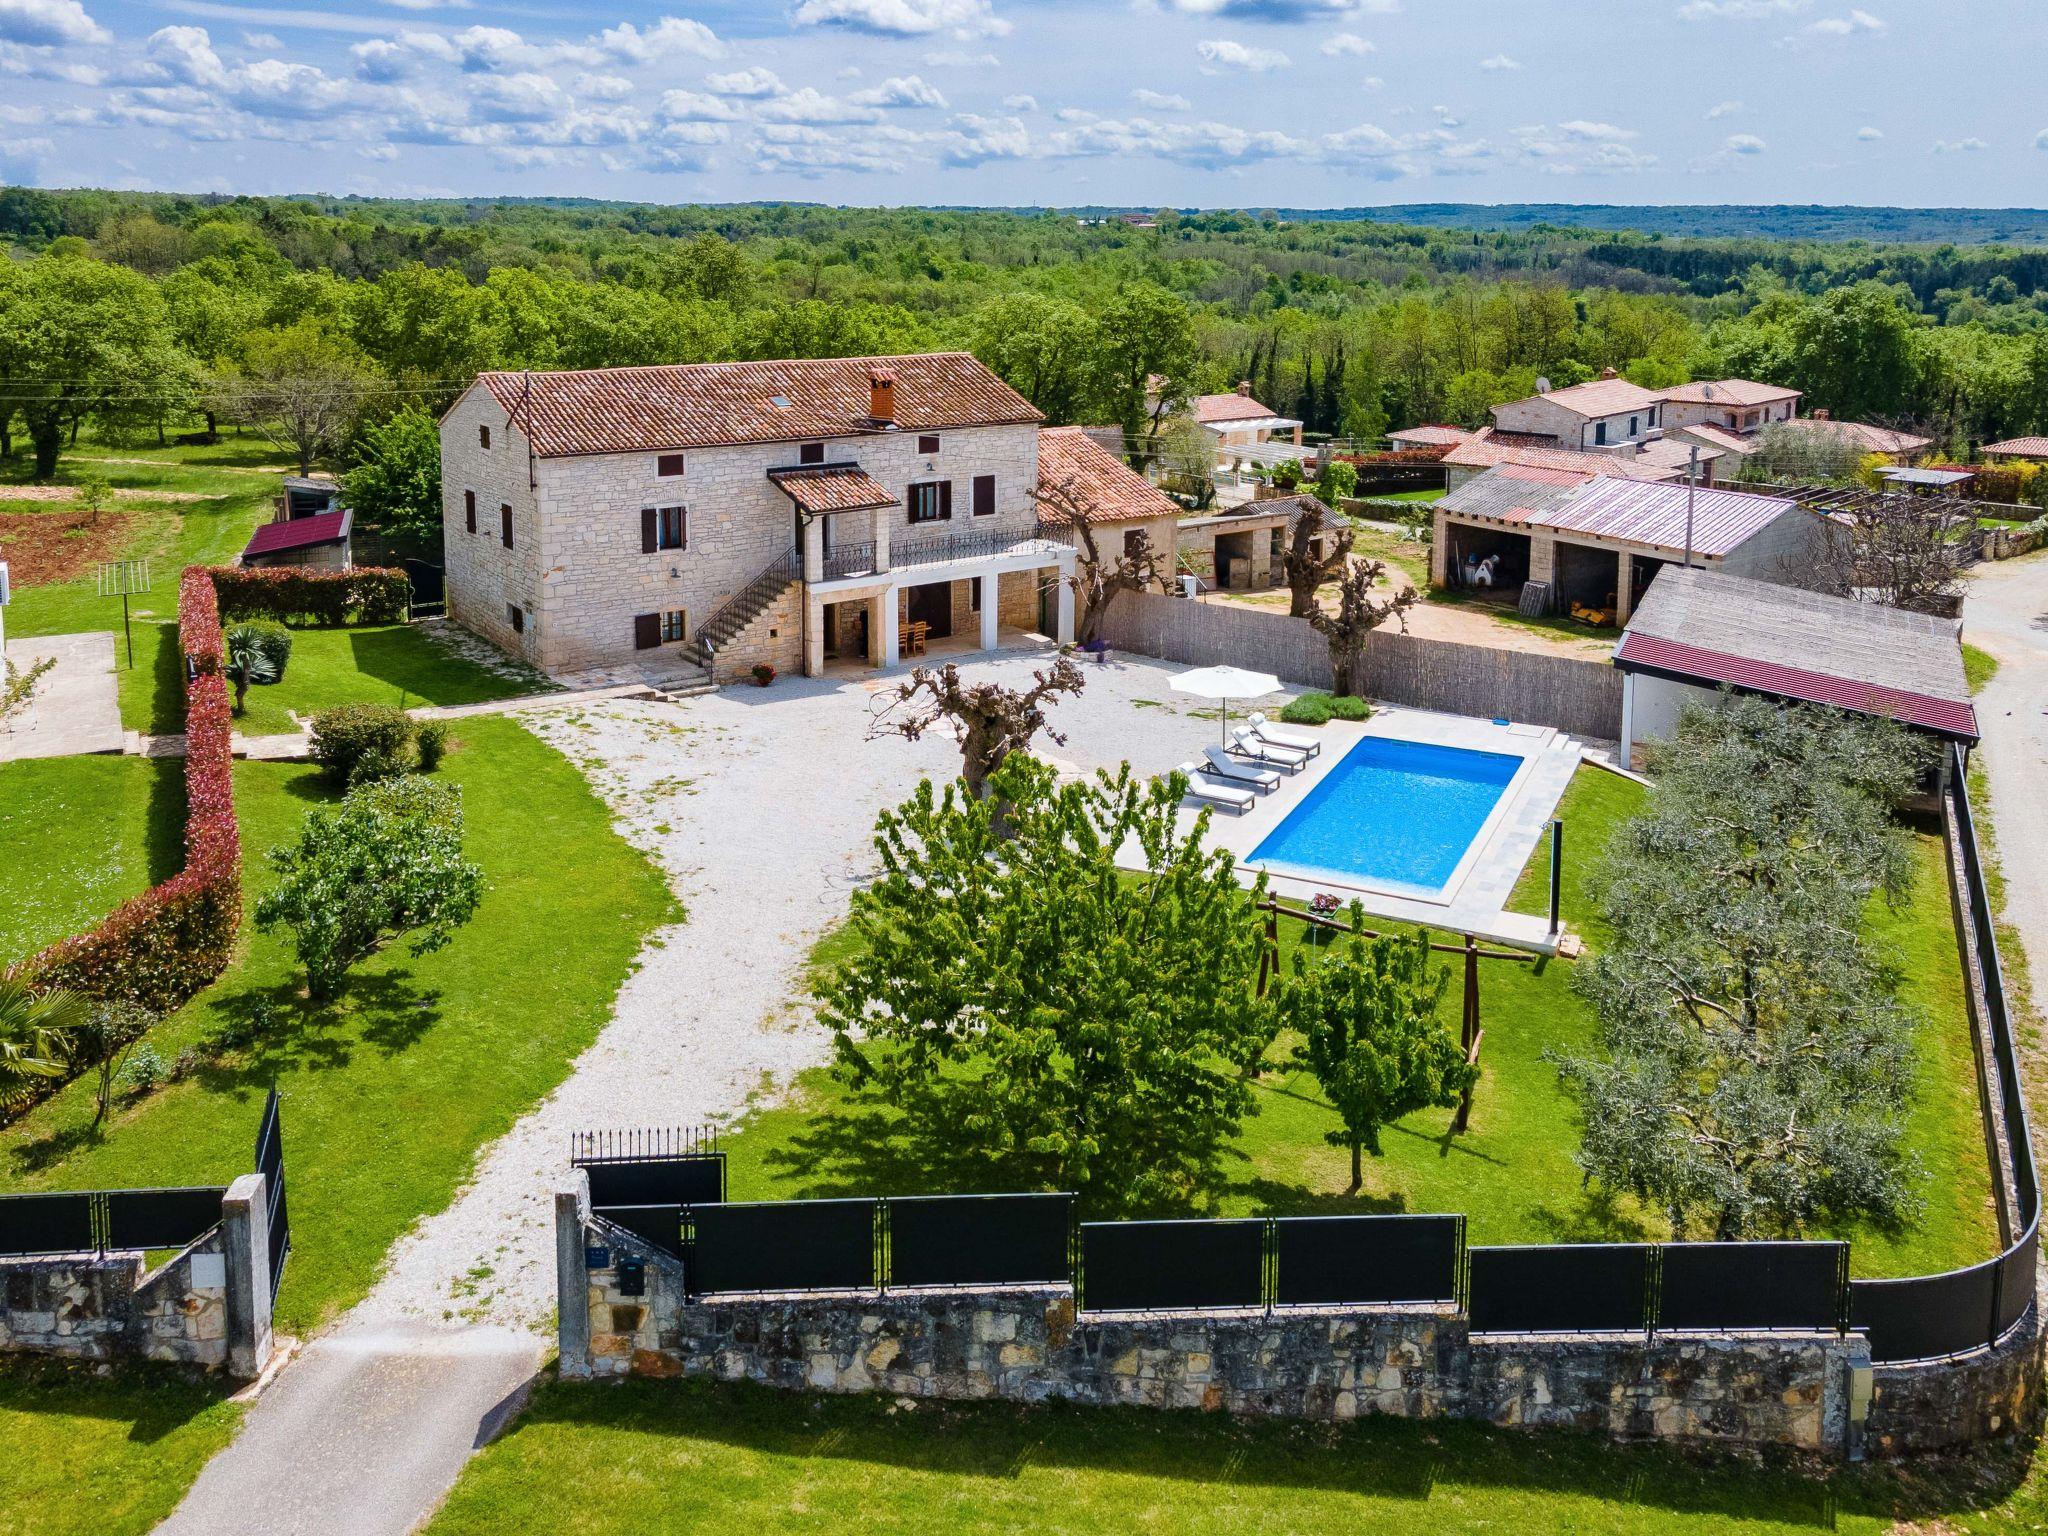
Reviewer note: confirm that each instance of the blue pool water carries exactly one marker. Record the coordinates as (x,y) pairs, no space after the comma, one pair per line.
(1393,813)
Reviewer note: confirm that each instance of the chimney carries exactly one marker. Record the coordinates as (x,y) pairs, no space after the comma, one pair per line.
(881,395)
(1821,414)
(1244,387)
(1609,373)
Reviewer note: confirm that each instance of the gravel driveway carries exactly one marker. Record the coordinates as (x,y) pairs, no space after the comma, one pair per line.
(759,804)
(2006,612)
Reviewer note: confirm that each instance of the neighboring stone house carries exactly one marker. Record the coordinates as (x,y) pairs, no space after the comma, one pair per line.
(1602,415)
(1735,405)
(1598,542)
(1237,420)
(1469,460)
(1243,548)
(727,515)
(1121,503)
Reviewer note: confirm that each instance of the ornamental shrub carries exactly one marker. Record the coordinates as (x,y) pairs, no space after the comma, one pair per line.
(365,595)
(356,743)
(270,640)
(386,864)
(1322,708)
(430,743)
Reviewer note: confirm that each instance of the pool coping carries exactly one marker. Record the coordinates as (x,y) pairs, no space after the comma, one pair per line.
(1474,899)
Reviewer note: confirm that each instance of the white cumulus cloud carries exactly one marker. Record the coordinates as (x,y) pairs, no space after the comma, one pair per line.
(1339,44)
(900,91)
(1223,53)
(666,38)
(904,18)
(1744,144)
(754,84)
(1499,62)
(49,23)
(1162,101)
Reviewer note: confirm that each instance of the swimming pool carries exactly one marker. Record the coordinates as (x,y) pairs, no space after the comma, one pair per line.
(1396,814)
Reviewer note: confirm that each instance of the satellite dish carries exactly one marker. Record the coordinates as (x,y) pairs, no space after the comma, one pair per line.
(1543,386)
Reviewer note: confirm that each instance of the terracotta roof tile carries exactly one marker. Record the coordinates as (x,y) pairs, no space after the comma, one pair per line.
(1870,439)
(1603,397)
(1111,490)
(1735,392)
(703,405)
(832,488)
(1486,454)
(1211,409)
(2020,448)
(1431,436)
(299,533)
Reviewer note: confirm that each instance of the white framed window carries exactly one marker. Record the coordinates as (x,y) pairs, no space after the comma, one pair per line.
(674,625)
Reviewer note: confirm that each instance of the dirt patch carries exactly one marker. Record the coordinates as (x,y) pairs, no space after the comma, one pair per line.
(42,547)
(68,493)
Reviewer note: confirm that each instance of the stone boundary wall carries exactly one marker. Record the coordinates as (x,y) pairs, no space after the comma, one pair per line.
(209,1306)
(1563,692)
(1028,1344)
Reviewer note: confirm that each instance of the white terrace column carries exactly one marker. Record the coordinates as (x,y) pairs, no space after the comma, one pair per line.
(1063,628)
(883,622)
(991,610)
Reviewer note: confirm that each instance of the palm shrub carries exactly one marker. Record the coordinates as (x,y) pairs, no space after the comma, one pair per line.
(386,864)
(251,660)
(35,1034)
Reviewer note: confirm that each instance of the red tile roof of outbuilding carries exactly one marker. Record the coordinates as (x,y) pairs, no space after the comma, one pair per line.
(298,533)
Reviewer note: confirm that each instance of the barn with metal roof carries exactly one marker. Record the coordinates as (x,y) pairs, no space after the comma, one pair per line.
(1552,539)
(1698,631)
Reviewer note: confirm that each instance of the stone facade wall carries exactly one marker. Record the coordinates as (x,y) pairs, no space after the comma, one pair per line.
(586,515)
(776,637)
(107,1308)
(1017,591)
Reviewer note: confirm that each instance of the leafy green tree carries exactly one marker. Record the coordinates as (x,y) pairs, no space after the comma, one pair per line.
(94,491)
(1044,348)
(1145,334)
(302,385)
(1852,350)
(66,333)
(386,864)
(1037,1017)
(1367,1014)
(1337,481)
(397,482)
(1754,1061)
(35,1032)
(101,1041)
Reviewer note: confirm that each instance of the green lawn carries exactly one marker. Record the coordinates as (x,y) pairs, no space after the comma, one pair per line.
(1435,493)
(1979,667)
(378,664)
(1511,1173)
(78,836)
(102,1455)
(388,1094)
(643,1456)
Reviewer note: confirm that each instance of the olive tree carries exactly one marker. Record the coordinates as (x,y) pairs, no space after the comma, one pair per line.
(1035,1013)
(989,720)
(386,864)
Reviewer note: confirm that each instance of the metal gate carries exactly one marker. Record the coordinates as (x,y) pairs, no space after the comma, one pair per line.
(270,1163)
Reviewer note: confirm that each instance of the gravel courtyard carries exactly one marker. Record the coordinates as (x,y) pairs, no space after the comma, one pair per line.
(759,805)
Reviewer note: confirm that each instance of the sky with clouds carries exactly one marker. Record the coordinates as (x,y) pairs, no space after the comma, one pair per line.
(1238,103)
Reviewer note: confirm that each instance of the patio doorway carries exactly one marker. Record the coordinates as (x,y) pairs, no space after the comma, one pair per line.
(932,606)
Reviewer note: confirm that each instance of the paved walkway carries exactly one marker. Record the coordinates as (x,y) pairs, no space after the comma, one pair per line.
(363,1434)
(2007,614)
(76,708)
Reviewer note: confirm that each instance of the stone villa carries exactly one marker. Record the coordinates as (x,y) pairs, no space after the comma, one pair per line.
(729,515)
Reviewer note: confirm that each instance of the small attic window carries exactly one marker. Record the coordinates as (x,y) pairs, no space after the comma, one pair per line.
(780,402)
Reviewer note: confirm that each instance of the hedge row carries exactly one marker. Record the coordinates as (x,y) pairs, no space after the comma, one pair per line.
(161,947)
(287,593)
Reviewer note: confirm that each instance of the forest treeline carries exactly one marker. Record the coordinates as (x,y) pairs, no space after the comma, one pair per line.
(139,312)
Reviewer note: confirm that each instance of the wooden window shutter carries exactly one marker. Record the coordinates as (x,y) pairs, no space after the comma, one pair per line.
(646,631)
(945,500)
(650,525)
(984,495)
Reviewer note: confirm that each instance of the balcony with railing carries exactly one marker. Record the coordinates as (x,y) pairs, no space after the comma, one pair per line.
(906,553)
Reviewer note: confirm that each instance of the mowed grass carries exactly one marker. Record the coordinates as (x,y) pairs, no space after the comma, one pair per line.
(1511,1172)
(394,664)
(617,1460)
(92,1454)
(388,1093)
(1979,667)
(170,535)
(78,836)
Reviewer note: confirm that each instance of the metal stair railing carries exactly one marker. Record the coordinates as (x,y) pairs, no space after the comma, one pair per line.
(746,605)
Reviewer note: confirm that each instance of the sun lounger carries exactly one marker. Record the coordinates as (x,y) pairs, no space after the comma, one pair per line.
(1215,791)
(1259,751)
(1224,766)
(1280,736)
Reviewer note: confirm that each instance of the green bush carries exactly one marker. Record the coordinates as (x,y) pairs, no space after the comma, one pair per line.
(358,743)
(1322,708)
(430,744)
(270,640)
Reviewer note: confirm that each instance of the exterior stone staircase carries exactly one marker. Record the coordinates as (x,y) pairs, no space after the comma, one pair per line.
(748,604)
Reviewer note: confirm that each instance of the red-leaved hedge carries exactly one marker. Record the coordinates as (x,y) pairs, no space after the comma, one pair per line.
(1429,455)
(365,595)
(161,947)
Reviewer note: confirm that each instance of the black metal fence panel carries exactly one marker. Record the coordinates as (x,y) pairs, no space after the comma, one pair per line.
(270,1163)
(697,1179)
(1927,1316)
(796,1245)
(1566,1288)
(1325,1260)
(658,1225)
(980,1239)
(1752,1286)
(31,1224)
(2016,1279)
(1160,1266)
(160,1218)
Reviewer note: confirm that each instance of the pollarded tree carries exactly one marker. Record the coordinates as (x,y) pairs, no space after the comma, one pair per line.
(1097,580)
(1753,1061)
(987,719)
(1367,1014)
(1313,556)
(387,864)
(1358,614)
(1035,1013)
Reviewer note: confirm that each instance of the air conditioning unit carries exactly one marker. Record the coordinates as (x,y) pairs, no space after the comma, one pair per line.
(1190,584)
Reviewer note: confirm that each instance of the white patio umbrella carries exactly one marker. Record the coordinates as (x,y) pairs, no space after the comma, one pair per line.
(1225,684)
